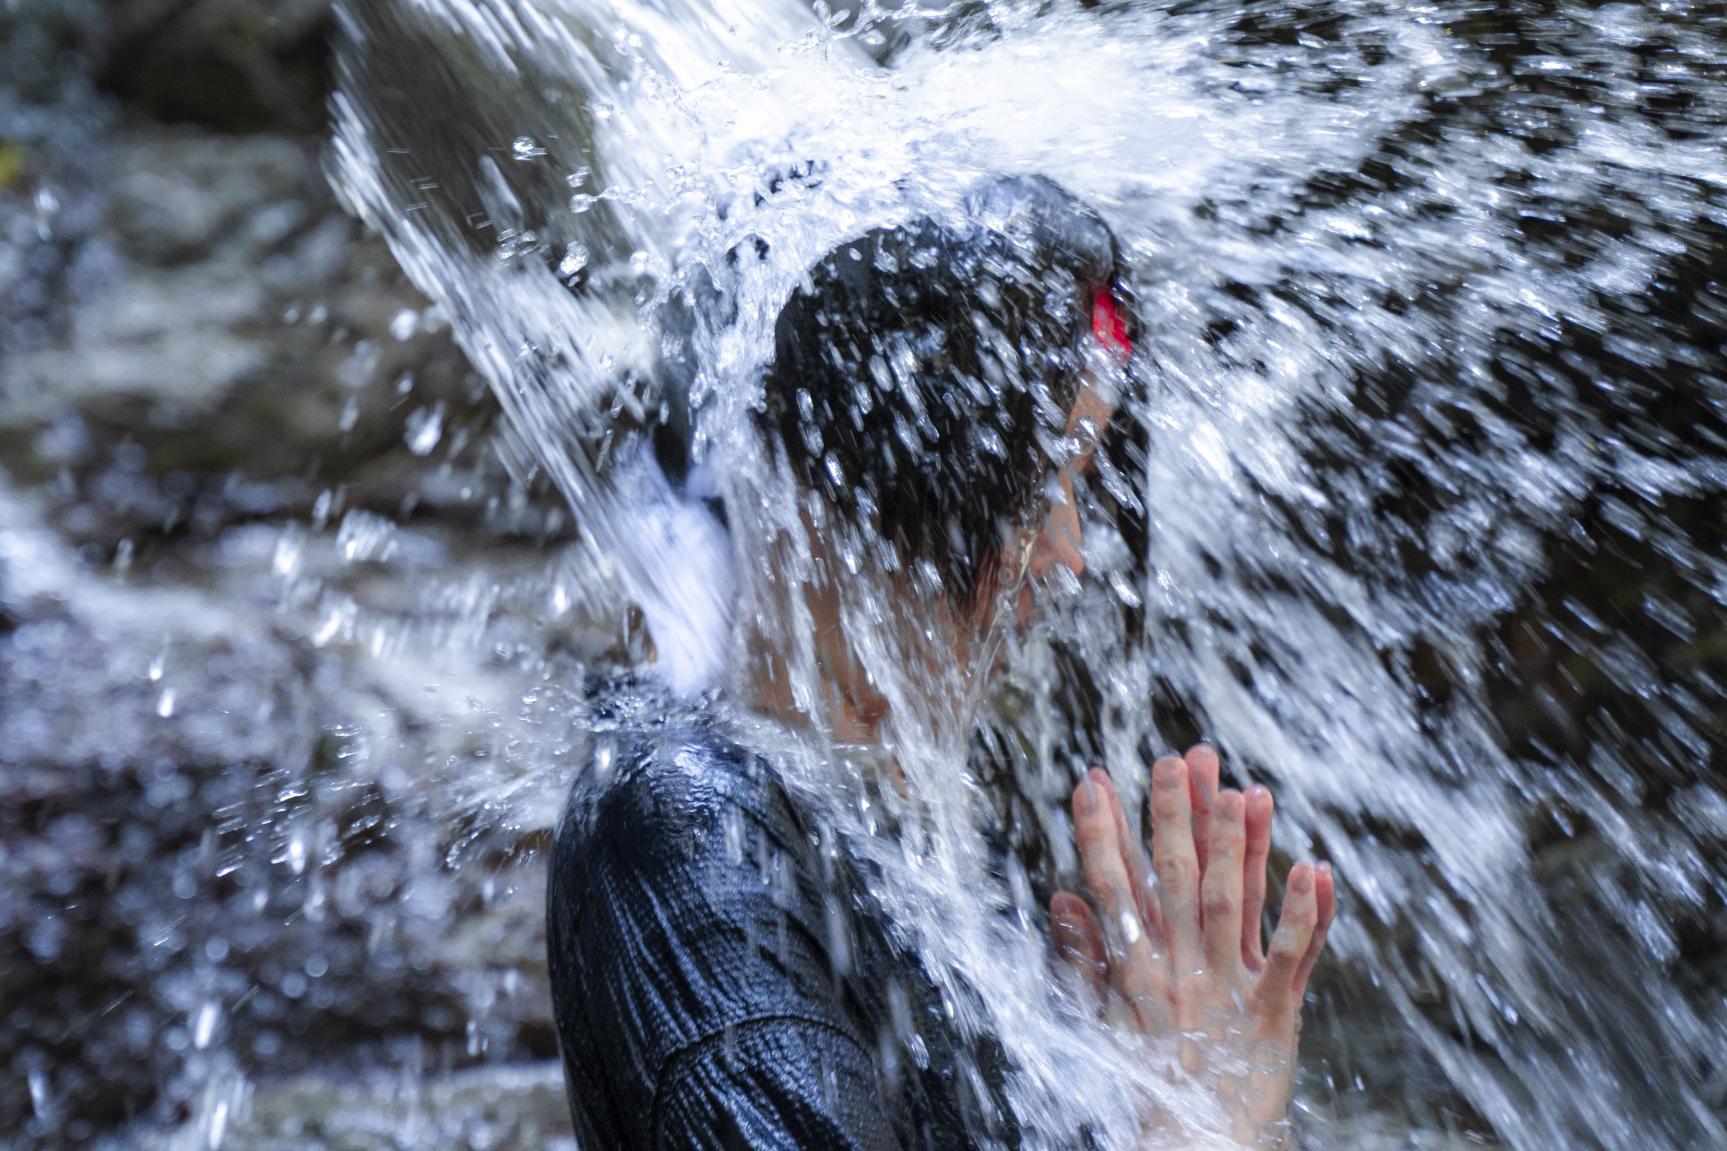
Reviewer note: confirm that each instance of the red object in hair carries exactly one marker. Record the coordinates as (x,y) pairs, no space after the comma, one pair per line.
(1109,326)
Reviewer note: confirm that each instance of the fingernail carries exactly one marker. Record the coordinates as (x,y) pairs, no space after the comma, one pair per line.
(1229,804)
(1086,797)
(1301,879)
(1167,773)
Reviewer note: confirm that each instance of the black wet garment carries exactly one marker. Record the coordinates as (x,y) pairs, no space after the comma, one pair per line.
(720,980)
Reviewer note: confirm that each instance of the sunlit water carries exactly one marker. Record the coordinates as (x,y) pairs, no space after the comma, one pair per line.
(1410,510)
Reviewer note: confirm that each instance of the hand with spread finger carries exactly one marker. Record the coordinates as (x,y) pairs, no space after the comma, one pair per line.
(1177,946)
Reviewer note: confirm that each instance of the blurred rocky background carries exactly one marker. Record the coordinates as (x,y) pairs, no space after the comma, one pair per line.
(267,595)
(285,643)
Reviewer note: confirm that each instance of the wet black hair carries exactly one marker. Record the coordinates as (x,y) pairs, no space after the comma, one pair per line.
(923,375)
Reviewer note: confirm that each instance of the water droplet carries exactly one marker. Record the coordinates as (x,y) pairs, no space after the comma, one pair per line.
(425,427)
(204,1024)
(406,323)
(165,705)
(581,202)
(361,367)
(285,562)
(365,536)
(218,1124)
(40,1101)
(579,176)
(526,148)
(575,259)
(333,624)
(1124,591)
(601,110)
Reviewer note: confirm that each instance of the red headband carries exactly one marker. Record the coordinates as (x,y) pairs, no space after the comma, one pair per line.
(1109,326)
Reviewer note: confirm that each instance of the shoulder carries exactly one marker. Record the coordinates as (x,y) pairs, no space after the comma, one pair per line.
(685,887)
(678,915)
(671,804)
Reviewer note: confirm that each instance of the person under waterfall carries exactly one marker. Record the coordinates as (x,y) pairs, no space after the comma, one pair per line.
(931,399)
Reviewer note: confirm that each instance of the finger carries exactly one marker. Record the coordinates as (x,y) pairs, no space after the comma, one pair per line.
(1133,859)
(1221,886)
(1174,861)
(1079,941)
(1132,854)
(1134,965)
(1151,914)
(1259,811)
(1325,899)
(1203,773)
(1274,1002)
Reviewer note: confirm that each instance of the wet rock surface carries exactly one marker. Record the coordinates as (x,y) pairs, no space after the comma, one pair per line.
(245,839)
(489,1109)
(232,65)
(242,332)
(239,854)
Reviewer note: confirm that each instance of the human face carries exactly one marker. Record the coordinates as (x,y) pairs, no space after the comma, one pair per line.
(1059,540)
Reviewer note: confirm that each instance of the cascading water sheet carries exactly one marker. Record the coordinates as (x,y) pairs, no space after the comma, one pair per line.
(1432,338)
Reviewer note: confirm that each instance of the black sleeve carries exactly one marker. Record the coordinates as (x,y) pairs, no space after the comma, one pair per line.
(696,1000)
(773,1085)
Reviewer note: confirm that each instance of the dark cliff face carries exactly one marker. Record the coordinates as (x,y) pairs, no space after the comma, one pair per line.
(228,65)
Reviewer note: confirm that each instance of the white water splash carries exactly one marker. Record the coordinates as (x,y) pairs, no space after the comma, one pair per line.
(1335,241)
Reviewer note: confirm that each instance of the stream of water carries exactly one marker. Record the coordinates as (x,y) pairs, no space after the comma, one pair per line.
(1413,506)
